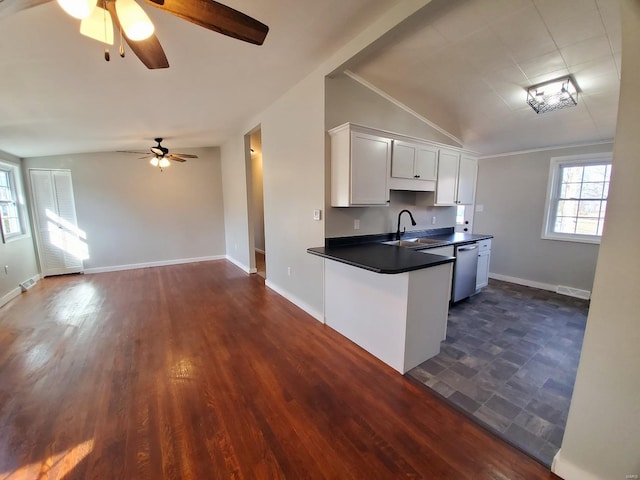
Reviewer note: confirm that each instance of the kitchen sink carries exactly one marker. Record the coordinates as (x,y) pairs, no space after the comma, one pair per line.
(414,242)
(428,241)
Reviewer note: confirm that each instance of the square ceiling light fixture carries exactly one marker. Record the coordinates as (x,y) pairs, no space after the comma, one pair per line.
(553,95)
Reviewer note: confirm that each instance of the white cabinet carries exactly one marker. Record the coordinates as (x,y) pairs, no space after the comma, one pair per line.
(484,257)
(414,166)
(448,251)
(415,161)
(456,178)
(467,173)
(360,167)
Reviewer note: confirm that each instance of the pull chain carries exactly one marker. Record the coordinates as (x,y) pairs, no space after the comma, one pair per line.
(107,57)
(121,44)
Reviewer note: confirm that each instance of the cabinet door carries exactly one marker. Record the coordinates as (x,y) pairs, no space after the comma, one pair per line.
(482,276)
(426,164)
(447,177)
(403,160)
(370,159)
(467,174)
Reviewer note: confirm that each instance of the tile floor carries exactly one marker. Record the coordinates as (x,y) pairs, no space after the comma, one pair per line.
(510,360)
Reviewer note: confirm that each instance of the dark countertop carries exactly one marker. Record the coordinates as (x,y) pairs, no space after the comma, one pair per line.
(380,258)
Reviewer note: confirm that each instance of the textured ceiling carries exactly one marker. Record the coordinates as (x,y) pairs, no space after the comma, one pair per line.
(465,65)
(58,95)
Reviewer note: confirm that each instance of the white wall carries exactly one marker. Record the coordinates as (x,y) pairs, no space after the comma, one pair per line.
(512,191)
(236,220)
(293,176)
(18,255)
(601,440)
(349,101)
(293,154)
(134,214)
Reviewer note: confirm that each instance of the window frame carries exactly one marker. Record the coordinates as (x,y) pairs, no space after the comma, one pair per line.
(15,186)
(553,190)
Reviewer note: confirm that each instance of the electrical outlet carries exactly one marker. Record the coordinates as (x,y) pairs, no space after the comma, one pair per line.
(433,220)
(317,214)
(235,246)
(356,224)
(289,271)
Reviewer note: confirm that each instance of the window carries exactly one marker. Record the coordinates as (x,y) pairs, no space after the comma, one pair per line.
(460,215)
(577,199)
(11,218)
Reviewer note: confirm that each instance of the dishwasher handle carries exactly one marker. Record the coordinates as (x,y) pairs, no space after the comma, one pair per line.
(468,247)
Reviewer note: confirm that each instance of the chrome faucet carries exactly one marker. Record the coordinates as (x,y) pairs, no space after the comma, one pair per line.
(413,222)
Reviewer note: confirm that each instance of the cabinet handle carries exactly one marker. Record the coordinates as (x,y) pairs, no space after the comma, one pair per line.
(416,176)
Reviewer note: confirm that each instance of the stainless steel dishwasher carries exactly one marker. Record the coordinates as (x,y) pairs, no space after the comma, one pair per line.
(464,271)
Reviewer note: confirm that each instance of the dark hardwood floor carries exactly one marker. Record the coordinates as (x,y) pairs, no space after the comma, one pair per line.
(199,372)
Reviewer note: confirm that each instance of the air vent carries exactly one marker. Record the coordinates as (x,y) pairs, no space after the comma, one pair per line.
(27,284)
(573,292)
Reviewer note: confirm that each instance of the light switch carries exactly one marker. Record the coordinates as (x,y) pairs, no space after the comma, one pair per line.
(317,214)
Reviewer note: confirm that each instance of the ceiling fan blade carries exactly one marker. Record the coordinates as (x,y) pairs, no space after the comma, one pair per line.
(184,155)
(149,51)
(7,7)
(217,17)
(175,158)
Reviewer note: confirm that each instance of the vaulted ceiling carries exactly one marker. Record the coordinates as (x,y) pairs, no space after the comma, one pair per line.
(462,64)
(58,95)
(465,65)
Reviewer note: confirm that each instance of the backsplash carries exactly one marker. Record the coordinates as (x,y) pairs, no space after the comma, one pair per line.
(339,222)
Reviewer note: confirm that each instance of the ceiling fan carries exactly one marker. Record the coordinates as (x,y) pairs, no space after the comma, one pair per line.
(132,23)
(161,155)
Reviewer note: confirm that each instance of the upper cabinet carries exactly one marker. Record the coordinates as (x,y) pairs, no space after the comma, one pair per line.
(360,167)
(414,161)
(414,166)
(367,163)
(456,178)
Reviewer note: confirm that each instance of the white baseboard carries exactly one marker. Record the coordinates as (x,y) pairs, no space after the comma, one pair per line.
(561,289)
(10,296)
(6,298)
(241,265)
(569,471)
(162,263)
(296,301)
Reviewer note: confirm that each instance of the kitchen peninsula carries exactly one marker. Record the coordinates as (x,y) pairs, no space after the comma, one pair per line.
(389,300)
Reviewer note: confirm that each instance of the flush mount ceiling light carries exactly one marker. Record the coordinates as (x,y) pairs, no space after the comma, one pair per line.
(553,95)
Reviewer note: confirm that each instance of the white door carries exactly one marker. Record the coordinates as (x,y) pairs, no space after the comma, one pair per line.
(61,247)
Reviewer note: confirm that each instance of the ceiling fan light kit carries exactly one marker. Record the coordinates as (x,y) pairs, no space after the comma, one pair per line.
(100,16)
(161,156)
(98,26)
(134,20)
(78,8)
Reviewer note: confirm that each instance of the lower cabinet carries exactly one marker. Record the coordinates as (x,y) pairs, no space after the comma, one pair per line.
(484,257)
(449,252)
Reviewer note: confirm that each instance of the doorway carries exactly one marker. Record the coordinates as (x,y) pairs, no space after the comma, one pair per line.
(256,202)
